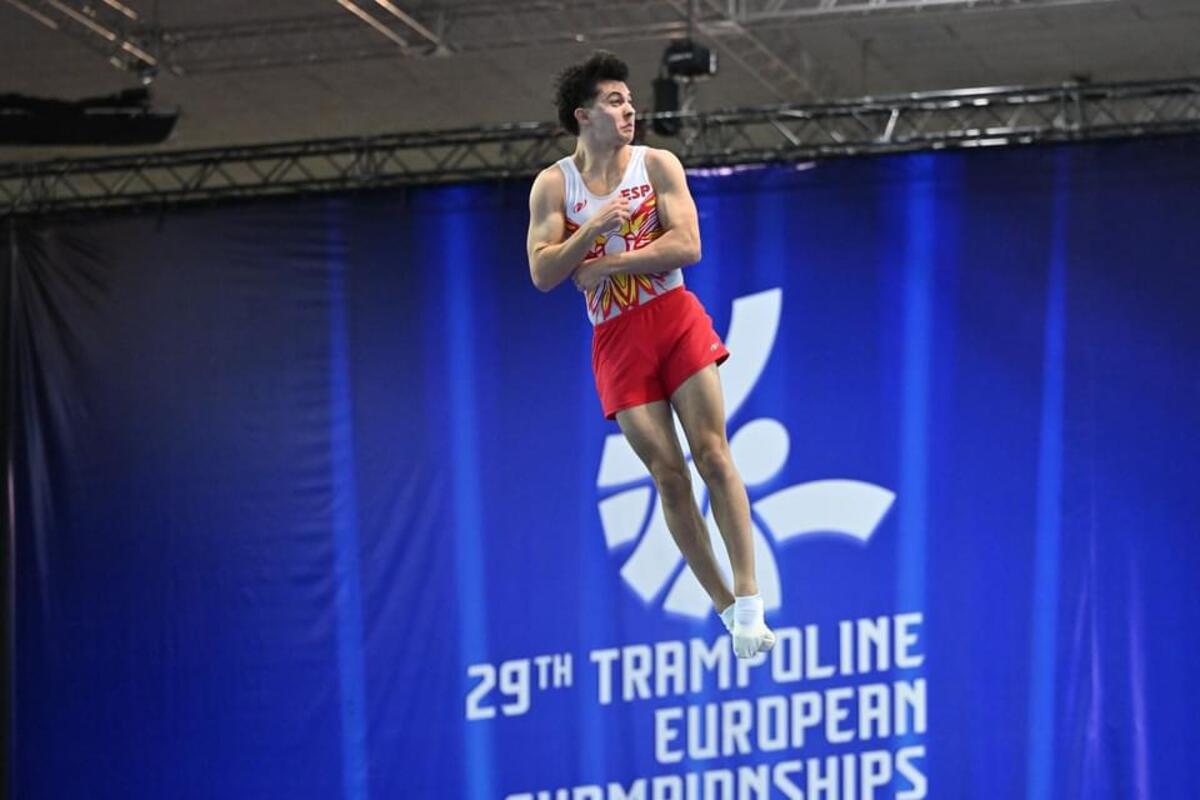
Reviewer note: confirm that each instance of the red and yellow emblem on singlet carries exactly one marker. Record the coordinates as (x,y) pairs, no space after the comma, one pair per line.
(621,291)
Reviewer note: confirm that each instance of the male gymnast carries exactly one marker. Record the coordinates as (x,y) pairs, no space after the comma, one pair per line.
(618,220)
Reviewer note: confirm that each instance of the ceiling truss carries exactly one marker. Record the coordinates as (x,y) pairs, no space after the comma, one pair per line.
(779,133)
(367,29)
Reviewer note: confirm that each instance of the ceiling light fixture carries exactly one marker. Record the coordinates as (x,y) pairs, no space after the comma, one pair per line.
(124,9)
(374,23)
(84,20)
(408,20)
(39,16)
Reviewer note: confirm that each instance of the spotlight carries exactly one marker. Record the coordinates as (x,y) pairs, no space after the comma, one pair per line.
(684,58)
(683,62)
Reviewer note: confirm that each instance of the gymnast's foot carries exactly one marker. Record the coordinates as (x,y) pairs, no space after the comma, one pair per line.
(745,622)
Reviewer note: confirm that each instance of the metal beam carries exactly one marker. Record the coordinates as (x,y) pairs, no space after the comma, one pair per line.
(780,133)
(111,29)
(776,12)
(474,28)
(735,27)
(748,50)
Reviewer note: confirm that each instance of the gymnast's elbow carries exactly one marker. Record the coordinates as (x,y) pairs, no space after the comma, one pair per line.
(540,281)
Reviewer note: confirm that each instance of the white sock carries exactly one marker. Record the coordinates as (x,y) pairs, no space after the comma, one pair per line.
(727,617)
(749,633)
(748,610)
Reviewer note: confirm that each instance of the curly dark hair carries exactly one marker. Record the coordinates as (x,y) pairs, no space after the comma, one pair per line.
(576,85)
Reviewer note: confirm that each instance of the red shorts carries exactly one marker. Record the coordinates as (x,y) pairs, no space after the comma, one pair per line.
(645,354)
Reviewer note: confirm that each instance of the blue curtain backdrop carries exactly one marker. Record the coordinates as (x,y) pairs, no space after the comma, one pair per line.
(314,499)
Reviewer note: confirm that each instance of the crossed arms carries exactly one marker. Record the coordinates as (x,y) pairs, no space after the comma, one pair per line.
(553,258)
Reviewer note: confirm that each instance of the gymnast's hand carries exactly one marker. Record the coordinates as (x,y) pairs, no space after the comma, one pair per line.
(591,274)
(611,217)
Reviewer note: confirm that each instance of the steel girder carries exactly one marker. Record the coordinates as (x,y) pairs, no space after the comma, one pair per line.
(759,12)
(780,133)
(383,29)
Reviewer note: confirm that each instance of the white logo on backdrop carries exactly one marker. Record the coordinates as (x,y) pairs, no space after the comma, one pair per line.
(760,448)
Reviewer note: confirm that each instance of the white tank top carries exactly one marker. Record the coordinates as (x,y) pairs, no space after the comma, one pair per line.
(619,293)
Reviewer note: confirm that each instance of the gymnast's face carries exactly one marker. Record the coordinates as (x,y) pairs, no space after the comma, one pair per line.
(609,119)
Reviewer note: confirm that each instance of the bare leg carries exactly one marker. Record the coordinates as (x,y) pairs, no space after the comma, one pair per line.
(650,430)
(701,409)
